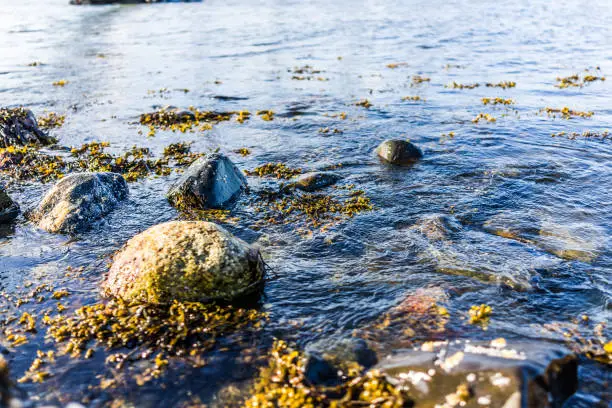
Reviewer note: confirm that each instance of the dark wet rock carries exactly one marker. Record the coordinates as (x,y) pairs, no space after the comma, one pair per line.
(18,127)
(185,261)
(578,241)
(78,200)
(210,182)
(331,358)
(399,152)
(8,208)
(314,181)
(524,374)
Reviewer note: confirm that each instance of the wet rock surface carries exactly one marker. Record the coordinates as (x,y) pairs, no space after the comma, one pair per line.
(328,360)
(311,182)
(210,182)
(494,374)
(8,208)
(78,200)
(185,261)
(18,127)
(400,152)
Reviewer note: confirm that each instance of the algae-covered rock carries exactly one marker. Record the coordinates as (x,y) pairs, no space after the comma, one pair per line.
(78,200)
(495,374)
(399,152)
(8,208)
(18,127)
(314,181)
(184,261)
(210,182)
(5,383)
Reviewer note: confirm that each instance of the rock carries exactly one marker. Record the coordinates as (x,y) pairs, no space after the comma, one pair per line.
(8,208)
(575,241)
(185,261)
(437,227)
(79,199)
(528,374)
(399,152)
(327,358)
(18,127)
(314,181)
(210,182)
(5,383)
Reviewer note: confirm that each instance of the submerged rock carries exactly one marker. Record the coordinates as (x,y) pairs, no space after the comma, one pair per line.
(210,182)
(18,127)
(527,374)
(76,201)
(576,241)
(314,181)
(399,152)
(185,261)
(330,359)
(437,227)
(8,208)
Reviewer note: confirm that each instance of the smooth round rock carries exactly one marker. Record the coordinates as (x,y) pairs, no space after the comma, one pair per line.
(78,200)
(400,152)
(315,181)
(8,208)
(184,261)
(210,182)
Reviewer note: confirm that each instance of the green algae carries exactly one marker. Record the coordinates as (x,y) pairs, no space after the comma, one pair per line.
(276,170)
(29,163)
(283,384)
(181,331)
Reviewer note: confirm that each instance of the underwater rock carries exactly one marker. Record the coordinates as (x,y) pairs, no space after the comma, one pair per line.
(328,357)
(210,182)
(314,181)
(436,227)
(399,152)
(79,199)
(574,241)
(185,261)
(8,208)
(18,127)
(525,374)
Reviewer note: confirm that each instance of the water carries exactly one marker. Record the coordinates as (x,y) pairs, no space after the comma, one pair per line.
(238,55)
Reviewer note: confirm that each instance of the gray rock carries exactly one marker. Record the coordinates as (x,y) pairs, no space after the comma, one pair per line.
(18,127)
(526,374)
(314,181)
(328,358)
(185,261)
(8,208)
(78,200)
(399,152)
(210,182)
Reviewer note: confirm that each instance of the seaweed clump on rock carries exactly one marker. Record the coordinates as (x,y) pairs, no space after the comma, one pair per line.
(18,127)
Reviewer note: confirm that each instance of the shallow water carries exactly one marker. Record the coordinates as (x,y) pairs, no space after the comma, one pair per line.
(554,193)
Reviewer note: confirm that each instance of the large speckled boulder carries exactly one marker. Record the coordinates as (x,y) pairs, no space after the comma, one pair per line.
(18,127)
(210,182)
(184,261)
(8,208)
(400,152)
(78,200)
(496,374)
